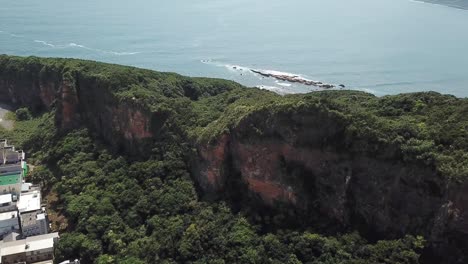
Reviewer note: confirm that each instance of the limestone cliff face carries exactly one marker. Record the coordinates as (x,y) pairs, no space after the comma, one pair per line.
(307,161)
(78,101)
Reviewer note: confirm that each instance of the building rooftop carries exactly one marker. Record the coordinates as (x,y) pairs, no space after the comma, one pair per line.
(13,236)
(12,247)
(29,219)
(10,168)
(8,179)
(41,216)
(30,201)
(41,242)
(8,215)
(9,155)
(29,244)
(26,186)
(5,198)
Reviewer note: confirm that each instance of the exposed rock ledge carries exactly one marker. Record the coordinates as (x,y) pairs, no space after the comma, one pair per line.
(295,79)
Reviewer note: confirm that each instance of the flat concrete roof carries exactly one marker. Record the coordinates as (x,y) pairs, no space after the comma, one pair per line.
(41,242)
(29,219)
(26,186)
(11,237)
(12,247)
(8,215)
(30,201)
(41,216)
(29,244)
(5,198)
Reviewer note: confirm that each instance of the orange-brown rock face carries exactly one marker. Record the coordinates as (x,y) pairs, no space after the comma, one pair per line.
(82,102)
(212,173)
(136,124)
(301,161)
(68,106)
(259,166)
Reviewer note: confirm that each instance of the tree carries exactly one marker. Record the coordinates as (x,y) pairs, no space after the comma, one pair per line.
(77,246)
(23,114)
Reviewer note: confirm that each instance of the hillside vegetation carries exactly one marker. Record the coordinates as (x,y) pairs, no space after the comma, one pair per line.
(118,207)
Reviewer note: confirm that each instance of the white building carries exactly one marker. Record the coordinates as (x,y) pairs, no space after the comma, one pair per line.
(23,223)
(33,218)
(30,250)
(7,202)
(30,201)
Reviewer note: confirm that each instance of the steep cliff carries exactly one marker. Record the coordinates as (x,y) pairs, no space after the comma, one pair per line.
(337,160)
(382,172)
(125,106)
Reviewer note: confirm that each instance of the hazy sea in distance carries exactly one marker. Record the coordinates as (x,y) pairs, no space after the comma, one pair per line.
(379,46)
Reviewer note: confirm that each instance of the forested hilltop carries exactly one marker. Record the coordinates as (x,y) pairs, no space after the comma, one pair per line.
(147,167)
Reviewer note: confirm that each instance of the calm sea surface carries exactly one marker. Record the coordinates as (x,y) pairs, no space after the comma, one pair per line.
(380,46)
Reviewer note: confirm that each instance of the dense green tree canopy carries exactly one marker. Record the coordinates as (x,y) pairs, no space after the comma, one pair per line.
(123,209)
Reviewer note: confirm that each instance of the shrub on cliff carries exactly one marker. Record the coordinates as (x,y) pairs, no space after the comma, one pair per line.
(23,114)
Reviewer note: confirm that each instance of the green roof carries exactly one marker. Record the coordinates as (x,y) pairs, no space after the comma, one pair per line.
(10,179)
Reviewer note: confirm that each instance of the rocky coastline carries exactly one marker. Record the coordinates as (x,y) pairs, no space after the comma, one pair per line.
(295,79)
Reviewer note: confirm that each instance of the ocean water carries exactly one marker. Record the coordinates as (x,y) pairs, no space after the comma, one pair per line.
(379,46)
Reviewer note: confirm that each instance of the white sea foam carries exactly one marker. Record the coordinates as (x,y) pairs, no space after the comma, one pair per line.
(248,69)
(118,53)
(273,72)
(283,84)
(368,90)
(275,89)
(121,53)
(45,43)
(236,67)
(79,46)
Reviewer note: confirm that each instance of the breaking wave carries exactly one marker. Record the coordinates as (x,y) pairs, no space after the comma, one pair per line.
(45,43)
(275,89)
